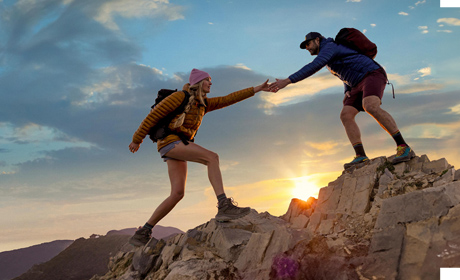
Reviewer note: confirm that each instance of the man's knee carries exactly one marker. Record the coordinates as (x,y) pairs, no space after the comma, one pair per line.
(347,115)
(371,104)
(371,108)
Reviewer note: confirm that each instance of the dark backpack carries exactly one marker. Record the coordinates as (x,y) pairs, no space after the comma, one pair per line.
(356,40)
(161,130)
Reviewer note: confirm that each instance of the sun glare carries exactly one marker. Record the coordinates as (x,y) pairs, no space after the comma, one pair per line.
(304,187)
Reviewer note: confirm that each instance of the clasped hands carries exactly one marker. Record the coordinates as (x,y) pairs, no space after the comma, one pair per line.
(273,87)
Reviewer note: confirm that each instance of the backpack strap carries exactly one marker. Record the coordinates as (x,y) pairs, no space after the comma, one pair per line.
(177,111)
(164,123)
(386,76)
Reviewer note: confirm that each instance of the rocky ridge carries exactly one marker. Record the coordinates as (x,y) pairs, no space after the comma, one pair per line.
(375,221)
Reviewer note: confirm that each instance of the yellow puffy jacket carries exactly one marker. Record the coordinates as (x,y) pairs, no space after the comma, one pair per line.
(193,117)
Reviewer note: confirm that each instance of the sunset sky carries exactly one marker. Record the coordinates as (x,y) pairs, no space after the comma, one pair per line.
(78,76)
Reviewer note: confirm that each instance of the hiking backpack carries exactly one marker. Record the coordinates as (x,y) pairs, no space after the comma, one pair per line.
(356,40)
(161,130)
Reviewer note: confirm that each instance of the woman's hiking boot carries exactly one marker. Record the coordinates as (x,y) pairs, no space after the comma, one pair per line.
(228,210)
(403,153)
(141,237)
(355,161)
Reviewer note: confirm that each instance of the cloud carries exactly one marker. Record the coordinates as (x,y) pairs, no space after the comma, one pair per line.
(242,66)
(357,1)
(425,71)
(298,92)
(420,2)
(323,148)
(109,10)
(444,31)
(373,24)
(424,29)
(69,81)
(403,14)
(450,21)
(405,83)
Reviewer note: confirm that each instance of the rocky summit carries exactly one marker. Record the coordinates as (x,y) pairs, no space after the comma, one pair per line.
(376,221)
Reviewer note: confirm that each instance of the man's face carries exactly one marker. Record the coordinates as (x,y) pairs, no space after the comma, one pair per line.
(313,46)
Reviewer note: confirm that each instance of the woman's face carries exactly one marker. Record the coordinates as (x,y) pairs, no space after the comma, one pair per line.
(206,85)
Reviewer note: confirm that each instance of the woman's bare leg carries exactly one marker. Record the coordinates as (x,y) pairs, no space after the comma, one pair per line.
(195,153)
(177,171)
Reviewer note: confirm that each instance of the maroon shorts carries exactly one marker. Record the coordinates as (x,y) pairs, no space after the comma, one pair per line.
(372,84)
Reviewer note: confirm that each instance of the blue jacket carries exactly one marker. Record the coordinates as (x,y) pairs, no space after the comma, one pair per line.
(347,64)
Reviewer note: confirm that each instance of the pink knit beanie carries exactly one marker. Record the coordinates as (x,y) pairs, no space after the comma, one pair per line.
(197,75)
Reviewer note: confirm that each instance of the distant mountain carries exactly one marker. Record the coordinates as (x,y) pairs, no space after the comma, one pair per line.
(82,259)
(16,262)
(159,232)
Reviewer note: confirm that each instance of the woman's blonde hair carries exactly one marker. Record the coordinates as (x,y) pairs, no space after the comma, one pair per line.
(196,93)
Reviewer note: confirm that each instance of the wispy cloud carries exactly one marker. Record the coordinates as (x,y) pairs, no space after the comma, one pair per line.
(403,14)
(449,21)
(108,11)
(424,29)
(425,71)
(242,66)
(298,92)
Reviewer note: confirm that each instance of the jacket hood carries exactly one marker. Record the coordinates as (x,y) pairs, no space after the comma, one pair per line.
(325,41)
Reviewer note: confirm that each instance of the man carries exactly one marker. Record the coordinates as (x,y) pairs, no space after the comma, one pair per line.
(364,82)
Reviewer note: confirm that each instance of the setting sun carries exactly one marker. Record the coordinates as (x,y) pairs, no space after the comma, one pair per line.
(305,187)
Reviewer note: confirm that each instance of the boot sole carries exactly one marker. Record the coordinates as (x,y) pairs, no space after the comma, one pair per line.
(136,242)
(410,156)
(226,219)
(348,165)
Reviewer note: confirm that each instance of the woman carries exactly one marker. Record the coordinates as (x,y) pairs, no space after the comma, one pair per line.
(176,148)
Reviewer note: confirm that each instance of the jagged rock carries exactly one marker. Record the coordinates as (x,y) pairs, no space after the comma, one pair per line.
(145,259)
(299,207)
(457,175)
(376,221)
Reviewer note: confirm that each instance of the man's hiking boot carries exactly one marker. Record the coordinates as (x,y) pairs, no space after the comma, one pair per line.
(228,210)
(355,161)
(141,237)
(403,153)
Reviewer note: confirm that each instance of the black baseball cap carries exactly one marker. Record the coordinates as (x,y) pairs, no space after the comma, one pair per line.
(308,37)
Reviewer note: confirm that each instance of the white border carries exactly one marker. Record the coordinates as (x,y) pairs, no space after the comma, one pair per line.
(450,4)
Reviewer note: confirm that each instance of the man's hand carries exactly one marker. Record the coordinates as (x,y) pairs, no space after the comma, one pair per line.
(133,147)
(279,84)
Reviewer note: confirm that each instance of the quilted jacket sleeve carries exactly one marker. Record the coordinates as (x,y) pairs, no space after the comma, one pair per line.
(326,54)
(224,101)
(160,111)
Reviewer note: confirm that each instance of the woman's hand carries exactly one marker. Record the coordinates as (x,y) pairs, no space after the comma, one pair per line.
(263,87)
(133,147)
